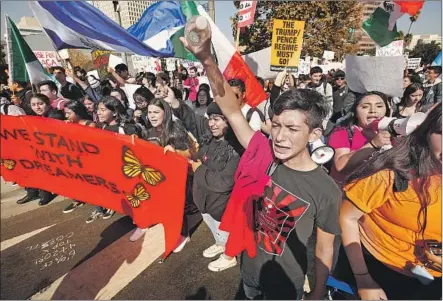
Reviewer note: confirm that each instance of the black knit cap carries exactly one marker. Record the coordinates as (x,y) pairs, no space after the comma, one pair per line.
(213,108)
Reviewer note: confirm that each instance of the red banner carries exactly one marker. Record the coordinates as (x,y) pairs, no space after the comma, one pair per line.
(119,172)
(246,13)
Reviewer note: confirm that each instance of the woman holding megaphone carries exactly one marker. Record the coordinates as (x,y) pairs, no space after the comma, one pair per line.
(354,141)
(391,218)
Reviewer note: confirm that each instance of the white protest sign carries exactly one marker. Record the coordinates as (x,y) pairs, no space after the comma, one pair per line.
(170,64)
(304,67)
(393,49)
(414,62)
(64,54)
(383,74)
(48,58)
(114,61)
(140,62)
(93,73)
(329,55)
(129,91)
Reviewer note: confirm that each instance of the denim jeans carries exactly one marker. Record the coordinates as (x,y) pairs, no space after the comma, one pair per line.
(221,237)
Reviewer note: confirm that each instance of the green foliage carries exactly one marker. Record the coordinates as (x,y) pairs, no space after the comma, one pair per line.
(2,55)
(328,25)
(427,52)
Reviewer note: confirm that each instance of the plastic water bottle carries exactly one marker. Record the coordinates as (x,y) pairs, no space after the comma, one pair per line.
(201,28)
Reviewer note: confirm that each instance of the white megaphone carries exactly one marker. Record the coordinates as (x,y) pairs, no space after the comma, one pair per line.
(321,153)
(399,127)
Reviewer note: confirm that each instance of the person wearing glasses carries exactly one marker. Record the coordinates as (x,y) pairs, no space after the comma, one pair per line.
(340,90)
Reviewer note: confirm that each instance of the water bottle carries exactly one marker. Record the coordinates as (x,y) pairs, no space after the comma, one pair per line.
(201,29)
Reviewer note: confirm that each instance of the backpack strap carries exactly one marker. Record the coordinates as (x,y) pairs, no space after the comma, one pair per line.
(325,84)
(350,135)
(251,111)
(4,108)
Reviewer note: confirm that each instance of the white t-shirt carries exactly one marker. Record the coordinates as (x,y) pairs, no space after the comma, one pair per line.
(255,121)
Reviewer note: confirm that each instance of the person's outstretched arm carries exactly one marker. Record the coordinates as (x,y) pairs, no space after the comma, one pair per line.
(223,94)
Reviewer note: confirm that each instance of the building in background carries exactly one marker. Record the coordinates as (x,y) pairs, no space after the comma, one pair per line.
(29,26)
(425,39)
(130,11)
(366,43)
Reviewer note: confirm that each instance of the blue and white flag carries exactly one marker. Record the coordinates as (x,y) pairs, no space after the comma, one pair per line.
(78,24)
(162,24)
(437,60)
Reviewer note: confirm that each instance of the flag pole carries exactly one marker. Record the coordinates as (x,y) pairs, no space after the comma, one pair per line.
(8,49)
(237,39)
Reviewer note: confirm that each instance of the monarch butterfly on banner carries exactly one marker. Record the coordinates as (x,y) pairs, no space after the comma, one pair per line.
(132,167)
(9,164)
(138,195)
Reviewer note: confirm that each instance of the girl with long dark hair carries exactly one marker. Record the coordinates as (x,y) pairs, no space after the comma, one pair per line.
(391,218)
(112,117)
(76,112)
(410,102)
(41,106)
(355,140)
(91,108)
(142,96)
(121,95)
(213,182)
(172,135)
(203,101)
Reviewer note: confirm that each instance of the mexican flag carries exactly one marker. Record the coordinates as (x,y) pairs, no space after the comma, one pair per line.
(381,25)
(163,23)
(23,65)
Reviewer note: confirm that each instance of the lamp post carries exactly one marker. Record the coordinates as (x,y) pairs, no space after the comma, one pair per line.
(119,18)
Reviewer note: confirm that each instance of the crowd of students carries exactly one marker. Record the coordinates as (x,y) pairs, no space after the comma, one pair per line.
(251,175)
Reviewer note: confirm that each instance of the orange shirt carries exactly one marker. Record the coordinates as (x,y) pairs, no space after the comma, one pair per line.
(388,229)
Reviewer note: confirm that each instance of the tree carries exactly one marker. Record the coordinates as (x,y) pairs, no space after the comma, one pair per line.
(427,52)
(328,25)
(407,39)
(2,55)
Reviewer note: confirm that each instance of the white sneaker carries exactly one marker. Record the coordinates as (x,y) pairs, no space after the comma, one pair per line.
(213,251)
(137,234)
(222,264)
(181,245)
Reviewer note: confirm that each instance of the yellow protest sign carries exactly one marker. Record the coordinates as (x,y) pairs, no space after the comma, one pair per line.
(287,40)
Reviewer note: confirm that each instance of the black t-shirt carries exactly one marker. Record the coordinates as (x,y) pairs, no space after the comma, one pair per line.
(71,91)
(293,204)
(126,129)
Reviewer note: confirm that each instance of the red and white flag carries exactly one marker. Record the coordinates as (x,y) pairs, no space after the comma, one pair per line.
(232,65)
(246,13)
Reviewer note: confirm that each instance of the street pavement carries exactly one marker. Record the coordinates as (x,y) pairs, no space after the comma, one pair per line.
(46,254)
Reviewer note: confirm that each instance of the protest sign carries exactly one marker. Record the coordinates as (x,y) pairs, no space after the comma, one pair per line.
(100,60)
(287,40)
(246,13)
(170,64)
(328,55)
(114,61)
(122,173)
(48,59)
(304,67)
(369,73)
(395,48)
(129,91)
(414,62)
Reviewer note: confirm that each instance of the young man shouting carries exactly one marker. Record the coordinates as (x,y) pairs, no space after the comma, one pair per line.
(279,191)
